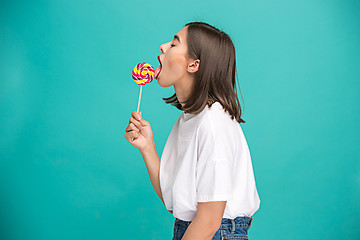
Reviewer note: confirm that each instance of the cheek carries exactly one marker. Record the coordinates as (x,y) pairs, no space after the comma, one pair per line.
(177,63)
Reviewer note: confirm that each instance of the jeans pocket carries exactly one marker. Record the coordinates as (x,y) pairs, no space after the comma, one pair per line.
(239,233)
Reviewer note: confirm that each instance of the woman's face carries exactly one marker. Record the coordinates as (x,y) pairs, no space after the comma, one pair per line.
(173,59)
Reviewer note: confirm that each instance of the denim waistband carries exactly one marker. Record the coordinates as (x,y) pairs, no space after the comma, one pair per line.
(225,222)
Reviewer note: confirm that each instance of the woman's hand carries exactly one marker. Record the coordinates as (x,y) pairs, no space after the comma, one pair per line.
(139,132)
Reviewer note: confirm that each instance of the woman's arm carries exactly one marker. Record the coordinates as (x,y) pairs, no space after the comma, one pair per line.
(152,162)
(140,135)
(207,221)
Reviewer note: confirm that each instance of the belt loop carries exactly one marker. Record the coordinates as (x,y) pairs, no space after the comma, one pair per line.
(233,226)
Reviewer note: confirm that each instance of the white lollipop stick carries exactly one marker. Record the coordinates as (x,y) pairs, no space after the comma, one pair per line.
(139,98)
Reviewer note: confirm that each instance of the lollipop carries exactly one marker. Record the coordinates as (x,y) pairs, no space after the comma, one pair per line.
(142,74)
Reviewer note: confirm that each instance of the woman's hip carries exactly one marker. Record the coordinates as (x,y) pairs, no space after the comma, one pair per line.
(229,229)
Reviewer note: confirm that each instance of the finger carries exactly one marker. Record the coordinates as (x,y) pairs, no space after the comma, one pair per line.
(127,136)
(135,122)
(134,135)
(136,115)
(132,127)
(131,136)
(143,122)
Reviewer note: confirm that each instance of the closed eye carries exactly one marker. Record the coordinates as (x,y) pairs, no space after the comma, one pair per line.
(172,45)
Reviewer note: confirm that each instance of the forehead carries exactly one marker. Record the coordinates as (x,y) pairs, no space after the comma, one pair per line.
(182,34)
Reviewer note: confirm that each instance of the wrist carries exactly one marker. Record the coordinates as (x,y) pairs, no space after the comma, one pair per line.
(148,149)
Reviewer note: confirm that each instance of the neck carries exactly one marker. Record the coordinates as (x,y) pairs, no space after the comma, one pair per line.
(183,89)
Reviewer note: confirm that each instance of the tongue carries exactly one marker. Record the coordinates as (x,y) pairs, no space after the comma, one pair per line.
(157,72)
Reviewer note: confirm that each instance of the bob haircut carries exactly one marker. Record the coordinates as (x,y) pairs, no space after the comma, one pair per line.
(215,78)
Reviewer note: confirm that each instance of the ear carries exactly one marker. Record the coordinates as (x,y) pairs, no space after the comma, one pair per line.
(193,66)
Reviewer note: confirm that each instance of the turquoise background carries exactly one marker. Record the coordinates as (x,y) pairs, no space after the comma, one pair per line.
(66,95)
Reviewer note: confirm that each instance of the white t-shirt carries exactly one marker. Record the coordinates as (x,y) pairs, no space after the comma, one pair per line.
(206,158)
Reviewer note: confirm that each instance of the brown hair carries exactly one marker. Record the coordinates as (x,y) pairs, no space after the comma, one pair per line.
(215,78)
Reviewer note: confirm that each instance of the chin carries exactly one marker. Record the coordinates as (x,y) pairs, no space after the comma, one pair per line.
(163,84)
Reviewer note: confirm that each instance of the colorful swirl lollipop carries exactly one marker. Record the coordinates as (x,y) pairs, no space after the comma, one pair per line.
(142,74)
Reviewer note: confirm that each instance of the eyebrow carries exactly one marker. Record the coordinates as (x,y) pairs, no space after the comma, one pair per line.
(177,38)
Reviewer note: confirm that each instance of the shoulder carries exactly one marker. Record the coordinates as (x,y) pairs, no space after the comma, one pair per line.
(217,131)
(216,121)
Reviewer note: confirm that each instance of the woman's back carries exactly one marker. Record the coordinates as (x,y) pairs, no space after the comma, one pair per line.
(206,158)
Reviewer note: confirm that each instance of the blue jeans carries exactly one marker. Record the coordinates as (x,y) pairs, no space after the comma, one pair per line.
(230,228)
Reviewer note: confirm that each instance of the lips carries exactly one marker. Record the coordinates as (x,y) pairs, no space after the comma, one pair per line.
(158,69)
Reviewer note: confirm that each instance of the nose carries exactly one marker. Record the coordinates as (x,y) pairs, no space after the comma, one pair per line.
(162,47)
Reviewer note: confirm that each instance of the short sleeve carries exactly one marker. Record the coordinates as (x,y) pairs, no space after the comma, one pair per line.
(216,155)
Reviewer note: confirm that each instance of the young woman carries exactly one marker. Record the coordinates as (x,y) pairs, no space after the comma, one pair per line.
(205,175)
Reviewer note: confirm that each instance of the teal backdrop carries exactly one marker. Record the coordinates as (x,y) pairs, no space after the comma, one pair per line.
(66,96)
